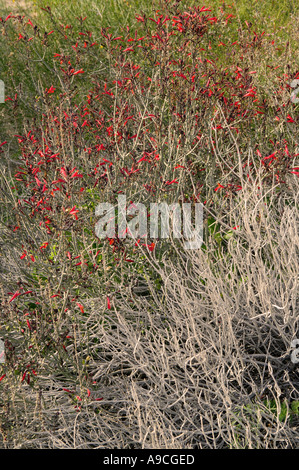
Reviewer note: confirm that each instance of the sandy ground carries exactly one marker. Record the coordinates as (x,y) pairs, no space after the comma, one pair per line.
(15,6)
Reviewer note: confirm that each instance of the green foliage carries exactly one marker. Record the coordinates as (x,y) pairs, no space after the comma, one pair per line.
(256,416)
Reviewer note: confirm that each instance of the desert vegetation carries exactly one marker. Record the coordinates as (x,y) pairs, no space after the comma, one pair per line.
(139,343)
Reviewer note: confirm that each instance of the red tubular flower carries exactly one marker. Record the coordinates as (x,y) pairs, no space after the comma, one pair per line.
(14,296)
(74,212)
(81,307)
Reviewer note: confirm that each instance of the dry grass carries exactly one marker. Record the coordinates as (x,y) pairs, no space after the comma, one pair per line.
(188,366)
